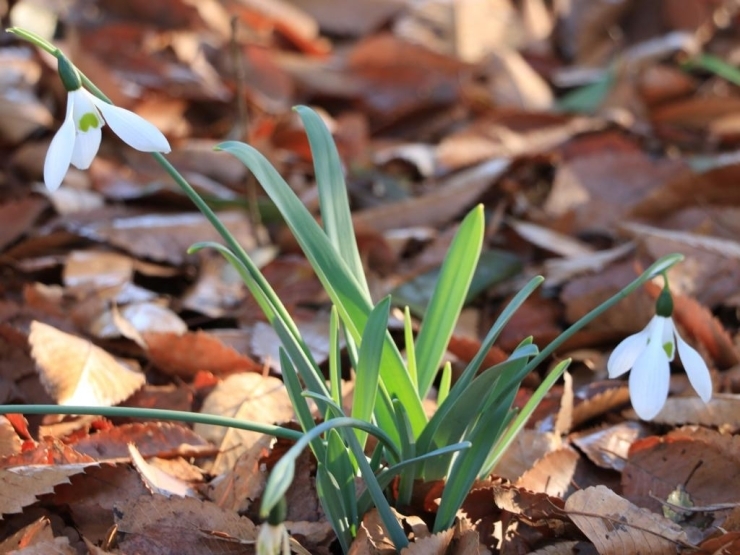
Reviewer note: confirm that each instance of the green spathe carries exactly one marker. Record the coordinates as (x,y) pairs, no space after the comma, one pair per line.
(68,73)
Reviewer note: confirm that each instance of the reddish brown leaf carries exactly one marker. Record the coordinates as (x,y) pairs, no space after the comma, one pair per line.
(187,354)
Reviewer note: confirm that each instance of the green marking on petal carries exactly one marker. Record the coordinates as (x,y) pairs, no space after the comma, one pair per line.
(668,348)
(87,121)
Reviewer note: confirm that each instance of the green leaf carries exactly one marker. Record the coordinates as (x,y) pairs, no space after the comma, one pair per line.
(368,364)
(333,199)
(456,415)
(331,499)
(589,98)
(465,468)
(494,266)
(338,461)
(448,298)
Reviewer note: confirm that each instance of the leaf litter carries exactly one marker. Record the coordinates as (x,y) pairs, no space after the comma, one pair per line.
(595,136)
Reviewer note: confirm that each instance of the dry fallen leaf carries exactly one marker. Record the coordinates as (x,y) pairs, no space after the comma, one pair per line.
(616,526)
(156,480)
(76,372)
(22,486)
(246,396)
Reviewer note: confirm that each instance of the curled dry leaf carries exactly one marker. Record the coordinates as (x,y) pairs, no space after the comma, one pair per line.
(157,480)
(76,372)
(608,447)
(616,526)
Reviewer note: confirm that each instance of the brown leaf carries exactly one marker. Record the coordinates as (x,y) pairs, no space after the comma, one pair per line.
(616,526)
(184,355)
(723,412)
(158,525)
(436,544)
(710,471)
(161,439)
(10,443)
(552,474)
(166,238)
(22,486)
(17,216)
(158,481)
(527,447)
(245,396)
(608,447)
(76,372)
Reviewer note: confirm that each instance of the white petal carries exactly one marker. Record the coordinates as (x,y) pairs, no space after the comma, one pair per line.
(623,357)
(669,330)
(86,147)
(650,377)
(696,369)
(88,123)
(59,154)
(133,130)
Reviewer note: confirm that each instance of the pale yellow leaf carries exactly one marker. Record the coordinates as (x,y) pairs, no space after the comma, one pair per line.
(76,372)
(246,396)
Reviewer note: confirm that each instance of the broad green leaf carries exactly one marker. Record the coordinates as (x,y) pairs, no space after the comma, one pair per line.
(589,98)
(408,451)
(448,298)
(300,406)
(386,476)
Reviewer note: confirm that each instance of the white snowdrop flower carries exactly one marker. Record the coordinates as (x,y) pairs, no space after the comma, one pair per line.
(78,139)
(649,353)
(273,540)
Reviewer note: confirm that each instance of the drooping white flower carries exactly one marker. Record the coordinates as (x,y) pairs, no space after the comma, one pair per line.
(78,139)
(649,353)
(273,540)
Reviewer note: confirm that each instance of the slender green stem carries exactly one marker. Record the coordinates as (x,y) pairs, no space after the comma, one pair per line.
(658,267)
(157,414)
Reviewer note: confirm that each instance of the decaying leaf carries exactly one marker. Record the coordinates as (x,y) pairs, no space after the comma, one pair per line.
(76,372)
(615,526)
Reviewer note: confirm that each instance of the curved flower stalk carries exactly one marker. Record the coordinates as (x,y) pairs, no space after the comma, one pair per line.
(649,353)
(78,139)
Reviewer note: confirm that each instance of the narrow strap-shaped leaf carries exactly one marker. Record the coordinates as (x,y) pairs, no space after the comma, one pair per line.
(329,492)
(448,298)
(354,308)
(368,364)
(333,199)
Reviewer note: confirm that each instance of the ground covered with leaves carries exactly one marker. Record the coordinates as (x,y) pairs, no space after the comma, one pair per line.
(598,135)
